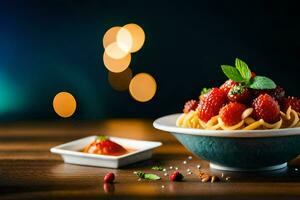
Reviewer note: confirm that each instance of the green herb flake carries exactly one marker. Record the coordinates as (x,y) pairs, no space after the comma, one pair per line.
(147,176)
(205,90)
(157,168)
(101,137)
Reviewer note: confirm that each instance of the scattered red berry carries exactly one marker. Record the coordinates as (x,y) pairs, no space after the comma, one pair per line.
(294,102)
(108,188)
(109,177)
(227,86)
(239,93)
(231,114)
(211,104)
(266,108)
(190,105)
(176,176)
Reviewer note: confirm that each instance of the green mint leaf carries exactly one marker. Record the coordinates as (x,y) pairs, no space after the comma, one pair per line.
(262,83)
(146,175)
(205,91)
(243,69)
(232,73)
(102,137)
(158,168)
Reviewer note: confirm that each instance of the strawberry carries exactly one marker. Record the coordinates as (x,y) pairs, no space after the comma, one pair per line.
(103,145)
(253,74)
(231,114)
(278,93)
(211,104)
(204,91)
(190,105)
(266,108)
(239,93)
(294,102)
(227,86)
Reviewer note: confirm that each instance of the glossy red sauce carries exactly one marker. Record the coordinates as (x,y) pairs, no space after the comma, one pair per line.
(96,149)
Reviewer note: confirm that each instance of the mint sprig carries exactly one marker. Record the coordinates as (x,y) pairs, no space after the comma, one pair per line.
(243,69)
(262,83)
(242,74)
(232,73)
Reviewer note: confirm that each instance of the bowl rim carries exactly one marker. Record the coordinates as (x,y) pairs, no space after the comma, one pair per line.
(168,123)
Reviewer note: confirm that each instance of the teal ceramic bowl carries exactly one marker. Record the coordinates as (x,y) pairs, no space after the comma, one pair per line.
(238,150)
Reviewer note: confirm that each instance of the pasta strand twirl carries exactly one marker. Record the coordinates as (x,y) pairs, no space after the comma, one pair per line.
(288,119)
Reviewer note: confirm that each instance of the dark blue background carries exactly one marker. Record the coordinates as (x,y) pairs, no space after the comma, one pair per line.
(52,46)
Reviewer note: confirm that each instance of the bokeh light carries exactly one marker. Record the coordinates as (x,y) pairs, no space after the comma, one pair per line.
(120,81)
(116,65)
(64,104)
(114,51)
(119,43)
(142,87)
(124,40)
(137,34)
(110,36)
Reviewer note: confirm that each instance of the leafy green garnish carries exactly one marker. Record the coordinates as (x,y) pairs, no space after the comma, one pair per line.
(101,137)
(262,83)
(147,175)
(243,69)
(232,73)
(158,168)
(242,74)
(205,90)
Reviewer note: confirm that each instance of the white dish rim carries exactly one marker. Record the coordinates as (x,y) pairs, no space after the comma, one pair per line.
(58,149)
(168,123)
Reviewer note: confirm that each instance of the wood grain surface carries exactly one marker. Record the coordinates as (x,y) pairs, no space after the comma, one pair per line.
(29,171)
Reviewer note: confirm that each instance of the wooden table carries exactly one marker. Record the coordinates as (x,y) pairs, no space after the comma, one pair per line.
(29,171)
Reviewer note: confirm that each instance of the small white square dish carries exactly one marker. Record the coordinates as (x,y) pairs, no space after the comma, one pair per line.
(71,152)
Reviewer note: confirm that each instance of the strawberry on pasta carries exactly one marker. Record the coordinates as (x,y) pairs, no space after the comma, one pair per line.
(245,101)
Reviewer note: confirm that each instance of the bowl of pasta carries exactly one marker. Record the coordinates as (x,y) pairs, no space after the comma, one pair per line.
(246,124)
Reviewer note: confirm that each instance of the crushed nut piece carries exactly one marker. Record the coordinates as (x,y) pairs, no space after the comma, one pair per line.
(207,177)
(214,179)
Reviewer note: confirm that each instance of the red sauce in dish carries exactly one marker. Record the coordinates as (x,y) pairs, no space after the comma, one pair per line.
(106,147)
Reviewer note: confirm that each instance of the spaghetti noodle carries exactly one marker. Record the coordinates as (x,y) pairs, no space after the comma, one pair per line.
(289,119)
